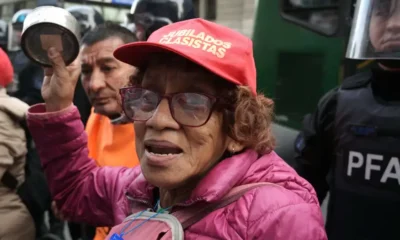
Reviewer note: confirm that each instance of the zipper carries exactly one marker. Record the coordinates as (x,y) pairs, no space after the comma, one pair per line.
(142,201)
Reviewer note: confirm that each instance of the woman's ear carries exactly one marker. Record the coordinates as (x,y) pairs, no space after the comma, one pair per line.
(234,146)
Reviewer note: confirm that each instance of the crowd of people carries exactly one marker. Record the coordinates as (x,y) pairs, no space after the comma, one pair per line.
(157,131)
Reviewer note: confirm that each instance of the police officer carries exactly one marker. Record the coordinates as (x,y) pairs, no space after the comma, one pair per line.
(88,17)
(28,76)
(17,56)
(150,15)
(351,145)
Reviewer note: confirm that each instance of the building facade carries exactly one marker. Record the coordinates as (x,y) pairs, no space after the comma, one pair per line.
(235,14)
(9,7)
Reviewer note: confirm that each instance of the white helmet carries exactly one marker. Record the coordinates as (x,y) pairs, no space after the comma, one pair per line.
(15,29)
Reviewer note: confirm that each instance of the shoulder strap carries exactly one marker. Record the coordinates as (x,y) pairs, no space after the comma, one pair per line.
(188,217)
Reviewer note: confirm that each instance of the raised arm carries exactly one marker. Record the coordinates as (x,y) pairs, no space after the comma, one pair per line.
(83,191)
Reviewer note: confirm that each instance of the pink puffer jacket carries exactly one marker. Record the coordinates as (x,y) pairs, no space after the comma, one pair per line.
(101,195)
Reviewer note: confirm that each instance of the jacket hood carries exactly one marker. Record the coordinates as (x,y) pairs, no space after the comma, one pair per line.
(13,106)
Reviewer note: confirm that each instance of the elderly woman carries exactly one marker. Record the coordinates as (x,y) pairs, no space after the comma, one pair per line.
(202,130)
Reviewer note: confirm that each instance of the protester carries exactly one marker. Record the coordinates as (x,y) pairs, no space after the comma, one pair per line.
(88,18)
(109,143)
(16,221)
(211,133)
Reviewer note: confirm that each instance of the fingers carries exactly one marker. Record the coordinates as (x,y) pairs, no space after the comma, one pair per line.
(48,71)
(74,68)
(57,62)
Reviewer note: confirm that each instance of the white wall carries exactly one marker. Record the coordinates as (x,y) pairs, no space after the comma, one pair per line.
(237,14)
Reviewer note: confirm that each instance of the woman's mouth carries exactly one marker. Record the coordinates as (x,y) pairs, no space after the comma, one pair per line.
(161,153)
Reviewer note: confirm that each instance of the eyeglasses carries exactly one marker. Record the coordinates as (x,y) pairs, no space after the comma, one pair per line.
(188,108)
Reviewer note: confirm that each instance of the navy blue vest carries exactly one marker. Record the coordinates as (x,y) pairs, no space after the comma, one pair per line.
(365,188)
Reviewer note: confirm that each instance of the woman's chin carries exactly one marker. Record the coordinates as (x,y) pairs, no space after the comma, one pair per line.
(164,178)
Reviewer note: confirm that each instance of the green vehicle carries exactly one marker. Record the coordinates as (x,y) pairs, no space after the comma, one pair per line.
(299,52)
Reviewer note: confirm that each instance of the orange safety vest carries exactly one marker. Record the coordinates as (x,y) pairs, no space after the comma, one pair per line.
(110,145)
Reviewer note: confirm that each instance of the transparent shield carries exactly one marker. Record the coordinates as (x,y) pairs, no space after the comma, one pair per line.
(375,32)
(14,38)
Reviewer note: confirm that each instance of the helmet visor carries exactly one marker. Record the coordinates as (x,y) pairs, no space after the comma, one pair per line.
(375,32)
(14,38)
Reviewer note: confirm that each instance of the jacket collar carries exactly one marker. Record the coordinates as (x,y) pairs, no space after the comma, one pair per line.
(223,177)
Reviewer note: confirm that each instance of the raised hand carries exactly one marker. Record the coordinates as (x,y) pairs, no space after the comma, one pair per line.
(59,82)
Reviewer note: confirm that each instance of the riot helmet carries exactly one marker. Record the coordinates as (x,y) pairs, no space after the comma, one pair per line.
(88,17)
(375,32)
(15,29)
(150,15)
(128,24)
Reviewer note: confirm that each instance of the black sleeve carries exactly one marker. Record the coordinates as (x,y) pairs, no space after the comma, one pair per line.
(81,101)
(30,84)
(314,145)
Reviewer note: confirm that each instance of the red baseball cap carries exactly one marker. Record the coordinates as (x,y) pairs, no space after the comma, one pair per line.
(6,69)
(219,49)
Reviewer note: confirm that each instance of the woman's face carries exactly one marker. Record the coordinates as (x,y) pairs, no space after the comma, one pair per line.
(172,155)
(385,26)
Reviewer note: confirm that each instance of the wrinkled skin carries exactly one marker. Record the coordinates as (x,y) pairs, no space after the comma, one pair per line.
(384,29)
(103,75)
(202,147)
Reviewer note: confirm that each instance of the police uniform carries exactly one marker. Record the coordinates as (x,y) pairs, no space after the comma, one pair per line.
(351,147)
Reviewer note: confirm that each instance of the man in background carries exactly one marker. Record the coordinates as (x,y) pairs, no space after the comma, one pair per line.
(110,142)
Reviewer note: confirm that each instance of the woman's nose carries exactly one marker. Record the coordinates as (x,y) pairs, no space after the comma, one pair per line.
(162,117)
